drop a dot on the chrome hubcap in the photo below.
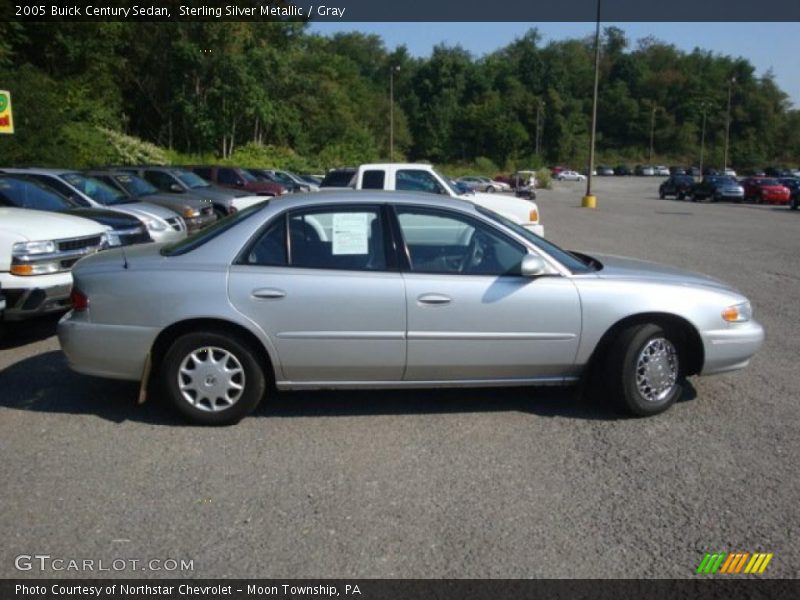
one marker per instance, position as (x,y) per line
(657,369)
(211,379)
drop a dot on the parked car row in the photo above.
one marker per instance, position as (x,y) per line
(722,187)
(52,217)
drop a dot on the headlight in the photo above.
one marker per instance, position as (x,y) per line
(190,213)
(27,248)
(44,268)
(154,225)
(738,313)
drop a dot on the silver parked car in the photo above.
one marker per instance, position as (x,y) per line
(163,224)
(389,290)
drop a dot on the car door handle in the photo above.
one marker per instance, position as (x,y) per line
(268,293)
(435,299)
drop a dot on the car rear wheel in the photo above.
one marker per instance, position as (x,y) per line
(793,203)
(213,379)
(662,195)
(644,370)
(490,189)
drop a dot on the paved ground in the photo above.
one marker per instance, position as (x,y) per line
(487,483)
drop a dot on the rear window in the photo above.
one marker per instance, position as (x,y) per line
(338,178)
(192,242)
(373,180)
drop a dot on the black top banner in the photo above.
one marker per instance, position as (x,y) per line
(431,10)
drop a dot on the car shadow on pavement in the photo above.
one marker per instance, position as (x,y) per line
(44,383)
(19,333)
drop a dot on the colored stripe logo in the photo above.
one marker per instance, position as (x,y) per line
(734,563)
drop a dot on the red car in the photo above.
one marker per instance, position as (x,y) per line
(764,189)
(234,177)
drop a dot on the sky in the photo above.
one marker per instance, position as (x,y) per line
(767,46)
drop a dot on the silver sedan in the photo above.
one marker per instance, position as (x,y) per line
(390,290)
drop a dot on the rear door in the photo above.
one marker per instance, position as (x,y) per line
(320,283)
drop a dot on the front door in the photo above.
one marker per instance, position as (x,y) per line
(471,315)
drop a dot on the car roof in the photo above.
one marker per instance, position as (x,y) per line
(323,198)
(38,171)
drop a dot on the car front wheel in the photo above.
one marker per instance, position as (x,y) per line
(645,370)
(213,379)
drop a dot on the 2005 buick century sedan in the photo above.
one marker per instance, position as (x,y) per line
(389,290)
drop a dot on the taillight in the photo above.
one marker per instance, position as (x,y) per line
(79,300)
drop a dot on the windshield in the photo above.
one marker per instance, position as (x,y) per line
(568,259)
(96,189)
(136,186)
(446,182)
(24,193)
(282,177)
(249,177)
(191,180)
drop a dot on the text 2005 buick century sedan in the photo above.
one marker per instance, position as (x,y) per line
(377,290)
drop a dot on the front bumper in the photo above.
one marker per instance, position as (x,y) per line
(169,235)
(195,224)
(731,348)
(35,295)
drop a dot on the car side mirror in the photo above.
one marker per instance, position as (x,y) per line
(174,187)
(533,266)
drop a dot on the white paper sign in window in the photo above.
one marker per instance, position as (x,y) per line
(351,233)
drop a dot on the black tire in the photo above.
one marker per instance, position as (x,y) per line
(220,212)
(680,196)
(793,203)
(627,374)
(490,189)
(662,195)
(252,377)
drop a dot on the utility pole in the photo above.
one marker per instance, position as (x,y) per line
(392,70)
(652,132)
(731,81)
(590,201)
(704,106)
(538,133)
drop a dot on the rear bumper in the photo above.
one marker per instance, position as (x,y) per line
(35,295)
(731,349)
(114,351)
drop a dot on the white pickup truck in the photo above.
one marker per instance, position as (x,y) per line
(37,251)
(412,177)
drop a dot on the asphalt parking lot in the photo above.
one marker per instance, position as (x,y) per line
(467,484)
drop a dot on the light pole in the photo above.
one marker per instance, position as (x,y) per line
(731,81)
(590,201)
(704,106)
(539,104)
(652,132)
(391,111)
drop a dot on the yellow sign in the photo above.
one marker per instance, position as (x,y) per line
(6,119)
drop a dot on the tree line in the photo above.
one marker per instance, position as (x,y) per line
(275,91)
